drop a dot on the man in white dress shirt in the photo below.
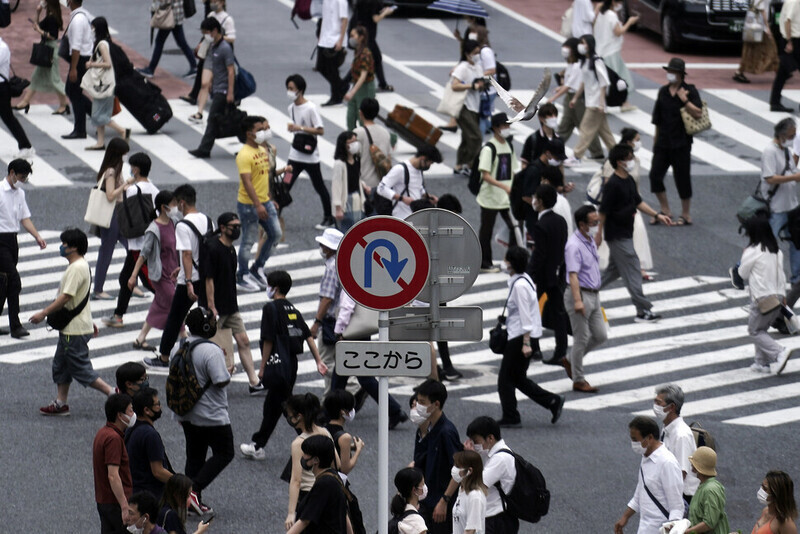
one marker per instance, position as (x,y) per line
(81,45)
(658,497)
(677,436)
(498,468)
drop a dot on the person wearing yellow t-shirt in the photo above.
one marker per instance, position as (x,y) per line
(254,205)
(71,360)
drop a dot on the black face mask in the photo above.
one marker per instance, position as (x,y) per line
(156,415)
(235,233)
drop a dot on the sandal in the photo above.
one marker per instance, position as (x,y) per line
(142,345)
(197,117)
(654,221)
(386,89)
(741,78)
(682,221)
(646,277)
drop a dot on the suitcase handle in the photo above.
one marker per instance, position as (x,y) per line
(411,119)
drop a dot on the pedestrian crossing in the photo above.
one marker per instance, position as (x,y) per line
(701,343)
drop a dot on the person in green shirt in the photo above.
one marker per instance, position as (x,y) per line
(707,509)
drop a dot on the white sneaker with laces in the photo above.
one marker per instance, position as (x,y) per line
(249,451)
(246,286)
(758,368)
(255,282)
(26,153)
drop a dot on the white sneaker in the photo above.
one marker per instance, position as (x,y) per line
(572,162)
(246,286)
(255,282)
(780,365)
(249,450)
(758,368)
(26,153)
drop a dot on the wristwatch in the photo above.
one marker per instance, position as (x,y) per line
(446,498)
(317,321)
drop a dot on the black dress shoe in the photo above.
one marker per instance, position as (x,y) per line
(361,397)
(558,407)
(19,332)
(782,108)
(189,100)
(74,135)
(332,102)
(401,417)
(200,155)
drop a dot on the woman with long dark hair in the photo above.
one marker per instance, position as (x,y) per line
(411,488)
(762,266)
(363,74)
(174,505)
(594,80)
(47,79)
(468,76)
(347,192)
(102,108)
(780,510)
(110,177)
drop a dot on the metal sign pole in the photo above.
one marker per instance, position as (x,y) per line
(436,289)
(383,434)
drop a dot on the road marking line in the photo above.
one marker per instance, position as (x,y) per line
(43,174)
(749,103)
(434,25)
(560,64)
(767,419)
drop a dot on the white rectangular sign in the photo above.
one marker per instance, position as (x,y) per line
(383,358)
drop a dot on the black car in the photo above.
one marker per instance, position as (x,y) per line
(685,21)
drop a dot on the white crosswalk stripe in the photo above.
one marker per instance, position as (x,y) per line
(701,344)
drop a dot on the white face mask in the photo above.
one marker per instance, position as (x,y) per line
(593,231)
(637,448)
(349,416)
(659,412)
(424,492)
(554,162)
(419,414)
(270,293)
(262,136)
(618,7)
(455,472)
(672,77)
(291,95)
(353,42)
(207,38)
(472,36)
(565,52)
(476,58)
(133,529)
(637,145)
(354,147)
(762,496)
(551,122)
(630,165)
(175,214)
(582,49)
(131,420)
(787,143)
(477,447)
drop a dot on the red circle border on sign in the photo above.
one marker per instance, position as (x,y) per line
(406,232)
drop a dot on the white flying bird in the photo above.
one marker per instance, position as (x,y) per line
(524,113)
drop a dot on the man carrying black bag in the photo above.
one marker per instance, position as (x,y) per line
(283,331)
(222,68)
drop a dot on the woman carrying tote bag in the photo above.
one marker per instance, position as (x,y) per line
(47,79)
(99,76)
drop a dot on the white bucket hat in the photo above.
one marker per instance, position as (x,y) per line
(330,238)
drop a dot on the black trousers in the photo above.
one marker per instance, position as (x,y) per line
(111,521)
(557,321)
(219,102)
(328,66)
(10,283)
(198,79)
(502,523)
(81,105)
(181,304)
(378,59)
(488,218)
(315,173)
(124,297)
(445,527)
(199,439)
(788,64)
(273,408)
(680,159)
(513,375)
(9,119)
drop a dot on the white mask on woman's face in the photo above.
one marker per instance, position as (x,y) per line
(472,36)
(672,77)
(582,49)
(476,58)
(565,52)
(354,147)
(349,416)
(617,7)
(637,145)
(762,496)
(424,492)
(455,472)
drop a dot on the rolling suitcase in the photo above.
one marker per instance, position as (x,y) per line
(412,128)
(145,101)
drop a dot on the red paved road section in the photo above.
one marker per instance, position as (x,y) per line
(20,37)
(646,47)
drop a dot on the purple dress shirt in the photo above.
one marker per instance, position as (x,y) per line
(580,256)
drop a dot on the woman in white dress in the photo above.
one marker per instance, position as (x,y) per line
(608,32)
(641,243)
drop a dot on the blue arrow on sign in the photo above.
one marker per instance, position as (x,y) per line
(394,265)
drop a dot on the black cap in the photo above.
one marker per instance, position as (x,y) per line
(499,119)
(676,64)
(225,218)
(556,147)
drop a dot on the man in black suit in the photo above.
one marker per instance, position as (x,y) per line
(547,269)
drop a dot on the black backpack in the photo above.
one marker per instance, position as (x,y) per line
(529,498)
(395,521)
(384,206)
(502,76)
(475,175)
(135,214)
(614,95)
(202,240)
(183,388)
(792,227)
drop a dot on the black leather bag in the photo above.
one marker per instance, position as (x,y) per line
(189,8)
(41,54)
(303,142)
(59,319)
(16,85)
(498,336)
(5,15)
(230,123)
